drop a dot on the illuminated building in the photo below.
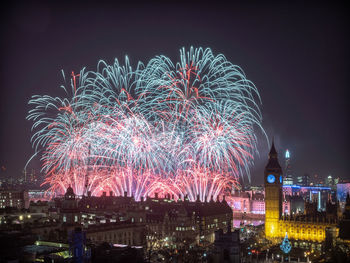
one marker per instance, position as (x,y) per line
(168,222)
(303,180)
(310,226)
(329,180)
(195,222)
(273,194)
(14,198)
(319,194)
(288,178)
(37,194)
(249,202)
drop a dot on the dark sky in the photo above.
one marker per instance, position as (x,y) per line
(297,56)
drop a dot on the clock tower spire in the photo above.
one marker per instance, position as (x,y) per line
(273,194)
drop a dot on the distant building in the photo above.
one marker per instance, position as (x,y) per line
(247,202)
(37,195)
(329,180)
(319,194)
(14,198)
(303,180)
(39,207)
(69,212)
(288,177)
(183,220)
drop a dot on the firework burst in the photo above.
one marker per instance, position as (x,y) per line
(187,128)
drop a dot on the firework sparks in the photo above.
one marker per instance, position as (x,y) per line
(187,129)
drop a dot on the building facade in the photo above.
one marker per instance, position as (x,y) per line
(14,198)
(166,222)
(181,222)
(122,233)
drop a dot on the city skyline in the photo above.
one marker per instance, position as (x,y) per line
(293,72)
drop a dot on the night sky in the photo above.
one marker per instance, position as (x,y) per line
(297,56)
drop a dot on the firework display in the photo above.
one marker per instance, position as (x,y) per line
(187,129)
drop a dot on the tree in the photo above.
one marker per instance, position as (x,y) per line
(286,246)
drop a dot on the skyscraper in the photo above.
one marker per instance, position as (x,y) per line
(288,177)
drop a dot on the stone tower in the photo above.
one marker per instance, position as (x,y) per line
(69,212)
(273,194)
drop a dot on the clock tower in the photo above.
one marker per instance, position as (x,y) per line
(273,194)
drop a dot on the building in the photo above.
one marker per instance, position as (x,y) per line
(69,212)
(249,202)
(288,177)
(227,246)
(273,194)
(184,222)
(303,180)
(329,180)
(39,207)
(310,226)
(14,198)
(37,195)
(163,221)
(125,233)
(319,194)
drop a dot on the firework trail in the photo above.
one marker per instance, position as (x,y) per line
(187,129)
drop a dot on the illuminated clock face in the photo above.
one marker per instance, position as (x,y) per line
(271,178)
(281,179)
